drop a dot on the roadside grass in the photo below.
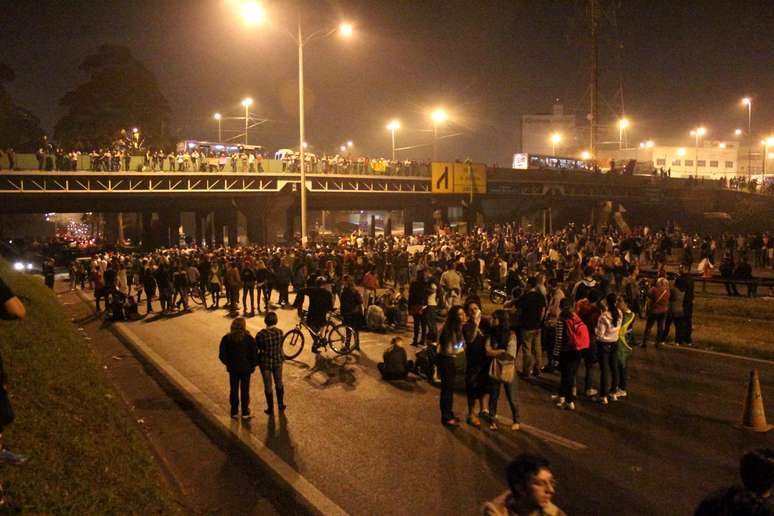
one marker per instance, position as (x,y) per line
(87,455)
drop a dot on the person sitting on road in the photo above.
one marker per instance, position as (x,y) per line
(395,365)
(531,489)
(375,319)
(754,497)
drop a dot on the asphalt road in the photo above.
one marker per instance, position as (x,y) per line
(376,447)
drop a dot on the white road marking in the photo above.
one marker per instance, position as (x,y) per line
(720,354)
(546,435)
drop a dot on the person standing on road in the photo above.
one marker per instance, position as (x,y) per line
(531,490)
(418,292)
(685,282)
(531,307)
(656,308)
(238,352)
(502,346)
(450,343)
(248,287)
(571,338)
(589,313)
(149,286)
(623,350)
(214,283)
(476,362)
(608,326)
(270,359)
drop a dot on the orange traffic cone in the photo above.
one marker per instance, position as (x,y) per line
(754,417)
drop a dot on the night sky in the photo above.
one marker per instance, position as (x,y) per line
(682,64)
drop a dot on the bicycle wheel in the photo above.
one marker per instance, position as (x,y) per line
(341,339)
(292,344)
(196,296)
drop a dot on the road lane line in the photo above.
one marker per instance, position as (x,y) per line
(720,354)
(546,435)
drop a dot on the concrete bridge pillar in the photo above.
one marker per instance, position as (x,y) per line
(201,227)
(232,225)
(219,218)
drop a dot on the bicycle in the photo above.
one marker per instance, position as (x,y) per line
(196,295)
(337,336)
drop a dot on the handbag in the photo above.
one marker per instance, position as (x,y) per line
(502,371)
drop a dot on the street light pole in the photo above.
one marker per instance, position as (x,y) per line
(246,116)
(393,143)
(435,140)
(301,130)
(749,138)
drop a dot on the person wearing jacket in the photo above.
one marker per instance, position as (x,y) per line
(655,310)
(502,346)
(531,490)
(270,360)
(450,343)
(238,352)
(608,327)
(589,313)
(571,337)
(623,350)
(248,287)
(418,293)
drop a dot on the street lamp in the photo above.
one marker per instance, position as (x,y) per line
(439,116)
(350,144)
(585,155)
(392,127)
(343,149)
(697,133)
(738,132)
(622,124)
(555,138)
(252,14)
(747,101)
(247,103)
(217,117)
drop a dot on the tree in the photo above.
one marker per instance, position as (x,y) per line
(19,128)
(120,93)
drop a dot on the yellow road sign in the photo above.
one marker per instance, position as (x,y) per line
(469,177)
(442,176)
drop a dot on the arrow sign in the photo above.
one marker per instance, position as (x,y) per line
(444,178)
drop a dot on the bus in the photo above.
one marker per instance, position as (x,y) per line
(207,147)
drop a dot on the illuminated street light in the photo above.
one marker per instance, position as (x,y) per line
(393,126)
(252,13)
(622,125)
(747,101)
(722,145)
(135,130)
(681,151)
(247,103)
(649,144)
(738,132)
(439,116)
(217,117)
(767,144)
(697,134)
(346,30)
(585,155)
(305,145)
(350,144)
(555,138)
(343,149)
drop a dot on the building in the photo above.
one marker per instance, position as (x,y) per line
(711,159)
(536,131)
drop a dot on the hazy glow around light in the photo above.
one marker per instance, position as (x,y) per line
(343,148)
(350,144)
(135,130)
(681,152)
(247,102)
(746,101)
(722,145)
(216,116)
(252,13)
(393,125)
(701,131)
(585,155)
(346,29)
(738,132)
(649,144)
(623,123)
(556,138)
(439,115)
(770,141)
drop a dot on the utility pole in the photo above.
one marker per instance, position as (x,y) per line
(594,104)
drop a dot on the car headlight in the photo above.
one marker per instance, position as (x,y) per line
(29,266)
(18,266)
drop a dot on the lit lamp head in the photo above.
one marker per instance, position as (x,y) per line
(393,125)
(252,13)
(738,132)
(556,138)
(722,145)
(247,102)
(346,30)
(438,116)
(585,155)
(681,151)
(701,131)
(623,123)
(216,116)
(350,144)
(135,130)
(343,148)
(649,144)
(746,101)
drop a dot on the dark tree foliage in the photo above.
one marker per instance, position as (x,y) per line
(19,129)
(120,93)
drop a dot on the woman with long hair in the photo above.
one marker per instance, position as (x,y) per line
(239,353)
(608,327)
(450,343)
(501,346)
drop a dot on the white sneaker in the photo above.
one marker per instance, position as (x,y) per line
(591,392)
(557,398)
(603,400)
(570,405)
(620,393)
(613,397)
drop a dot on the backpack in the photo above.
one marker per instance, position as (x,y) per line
(577,333)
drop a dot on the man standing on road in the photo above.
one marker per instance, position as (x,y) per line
(270,359)
(531,307)
(320,303)
(685,283)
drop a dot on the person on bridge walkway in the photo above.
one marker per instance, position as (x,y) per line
(450,343)
(238,352)
(531,490)
(270,359)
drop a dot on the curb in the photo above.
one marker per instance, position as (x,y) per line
(221,421)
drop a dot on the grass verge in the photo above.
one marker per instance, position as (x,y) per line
(87,455)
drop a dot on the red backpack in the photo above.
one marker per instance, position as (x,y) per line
(577,333)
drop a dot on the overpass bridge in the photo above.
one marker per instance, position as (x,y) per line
(269,200)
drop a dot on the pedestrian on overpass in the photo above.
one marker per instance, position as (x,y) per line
(239,354)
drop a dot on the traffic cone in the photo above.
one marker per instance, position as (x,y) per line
(754,417)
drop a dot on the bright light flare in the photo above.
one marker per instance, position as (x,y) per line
(556,138)
(394,125)
(216,116)
(722,145)
(585,155)
(343,148)
(770,141)
(738,132)
(439,115)
(746,101)
(350,144)
(681,151)
(623,123)
(247,102)
(252,13)
(346,30)
(649,144)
